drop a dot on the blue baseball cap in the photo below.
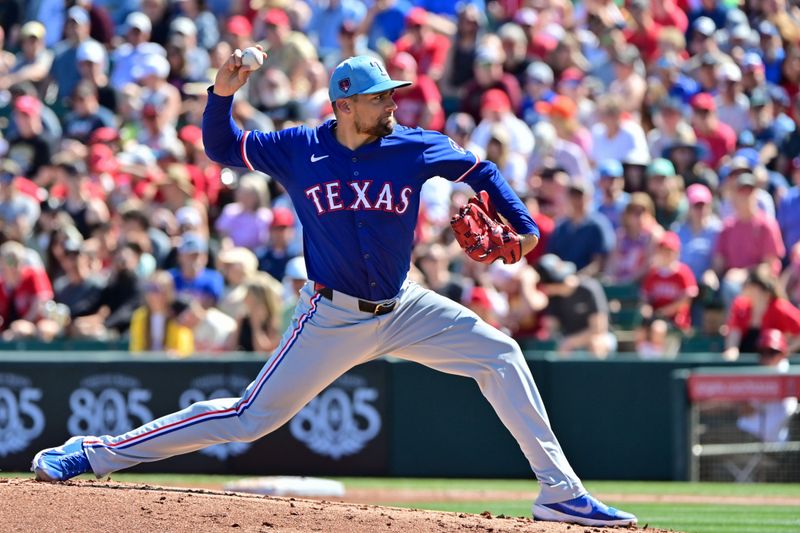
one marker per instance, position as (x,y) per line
(610,168)
(361,75)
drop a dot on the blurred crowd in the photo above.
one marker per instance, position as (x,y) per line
(656,144)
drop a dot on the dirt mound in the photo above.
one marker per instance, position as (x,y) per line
(100,506)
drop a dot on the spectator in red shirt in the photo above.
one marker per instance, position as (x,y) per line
(667,13)
(718,136)
(420,104)
(761,306)
(645,31)
(669,285)
(428,48)
(24,291)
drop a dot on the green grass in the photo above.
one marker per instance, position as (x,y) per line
(689,517)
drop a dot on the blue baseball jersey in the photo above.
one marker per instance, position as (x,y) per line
(358,207)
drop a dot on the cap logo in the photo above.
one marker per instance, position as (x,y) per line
(379,67)
(344,84)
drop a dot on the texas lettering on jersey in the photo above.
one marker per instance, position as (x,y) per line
(327,197)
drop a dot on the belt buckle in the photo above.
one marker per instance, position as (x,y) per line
(378,307)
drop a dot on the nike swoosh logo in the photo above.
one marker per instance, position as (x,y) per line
(314,158)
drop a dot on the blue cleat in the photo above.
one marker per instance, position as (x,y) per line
(61,463)
(585,510)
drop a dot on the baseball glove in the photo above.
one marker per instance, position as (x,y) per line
(482,235)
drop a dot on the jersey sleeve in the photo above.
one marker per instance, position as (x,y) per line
(444,157)
(226,144)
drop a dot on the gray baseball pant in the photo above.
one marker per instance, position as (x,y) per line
(327,338)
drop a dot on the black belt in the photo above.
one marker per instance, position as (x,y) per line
(363,305)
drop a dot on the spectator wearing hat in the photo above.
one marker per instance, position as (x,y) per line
(33,62)
(562,112)
(763,125)
(294,278)
(644,31)
(707,17)
(421,41)
(87,114)
(738,165)
(327,18)
(151,74)
(211,328)
(192,276)
(65,63)
(289,51)
(577,309)
(238,32)
(92,66)
(613,137)
(30,147)
(258,329)
(769,421)
(155,326)
(753,75)
(748,239)
(666,190)
(705,68)
(281,248)
(635,241)
(538,86)
(669,123)
(668,70)
(496,111)
(246,221)
(583,238)
(204,20)
(761,306)
(611,198)
(669,286)
(698,234)
(418,105)
(733,106)
(771,45)
(183,43)
(488,74)
(19,212)
(718,136)
(132,53)
(551,150)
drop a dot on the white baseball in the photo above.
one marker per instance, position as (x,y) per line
(252,58)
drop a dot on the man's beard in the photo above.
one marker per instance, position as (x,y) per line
(381,129)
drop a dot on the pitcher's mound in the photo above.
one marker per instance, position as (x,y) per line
(77,506)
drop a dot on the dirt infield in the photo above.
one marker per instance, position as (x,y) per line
(100,506)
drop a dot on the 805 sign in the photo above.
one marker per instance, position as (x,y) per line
(108,410)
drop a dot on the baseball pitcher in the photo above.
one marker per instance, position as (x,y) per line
(355,182)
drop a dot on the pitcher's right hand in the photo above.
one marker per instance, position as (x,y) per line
(233,74)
